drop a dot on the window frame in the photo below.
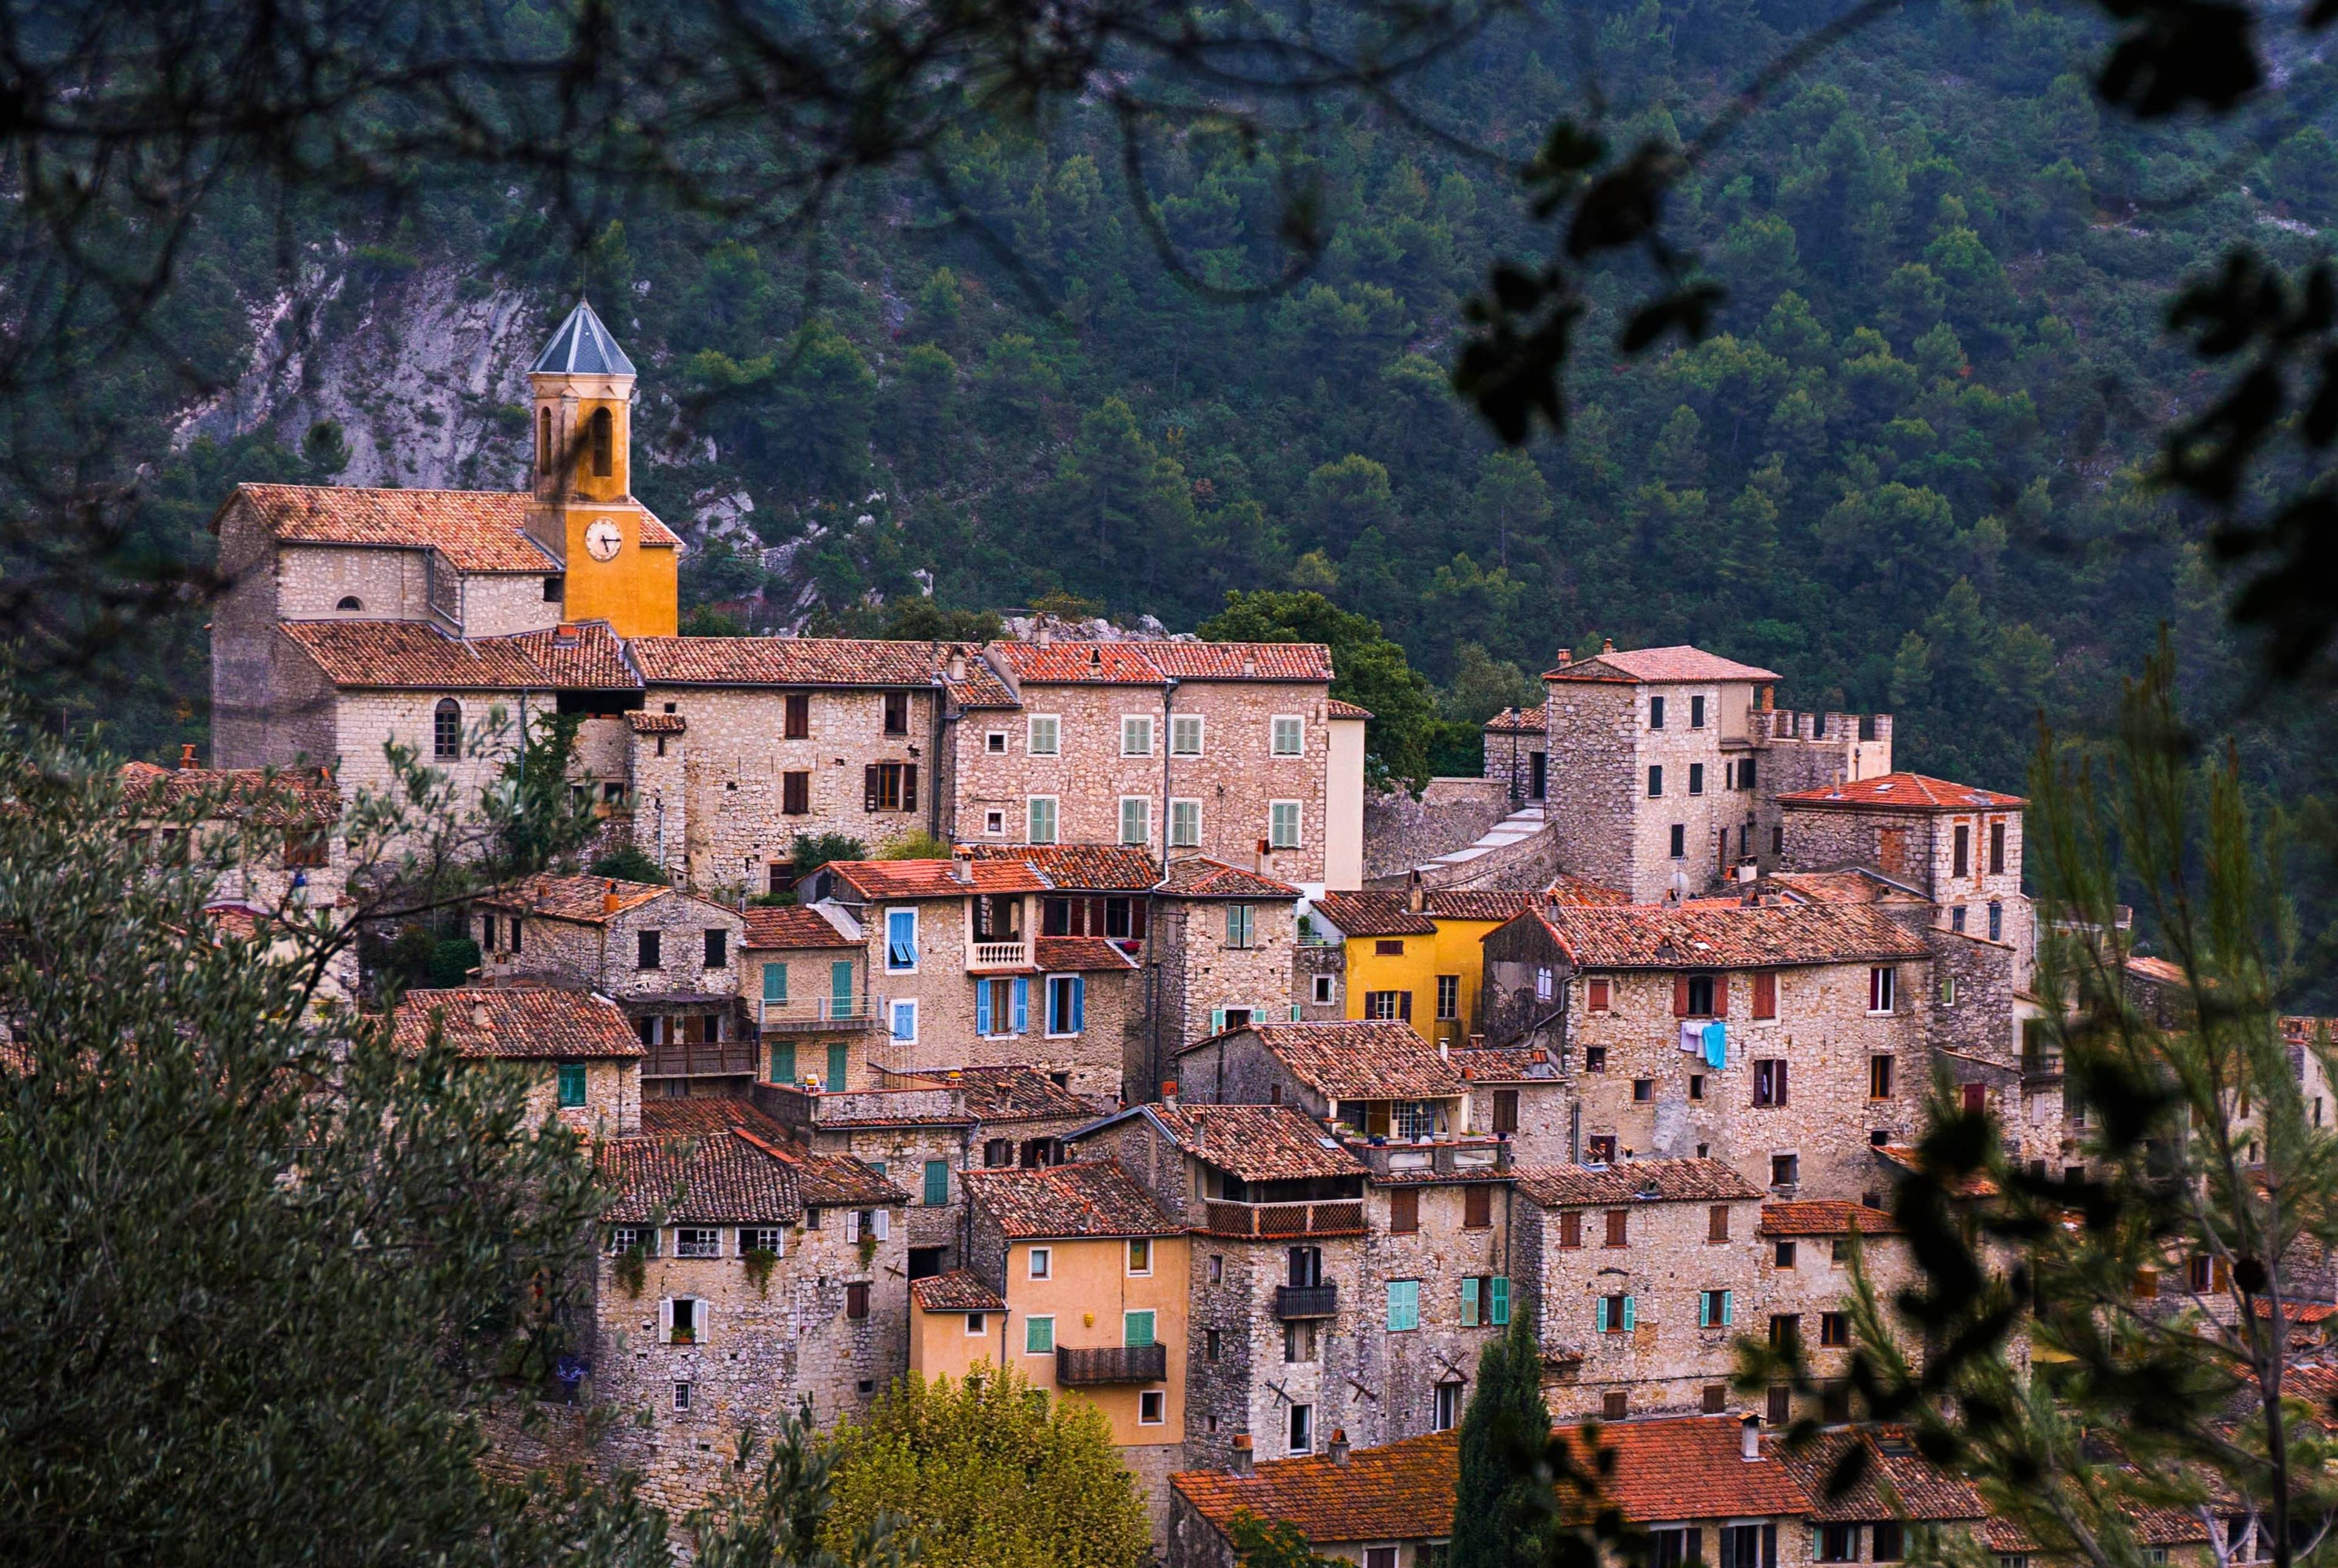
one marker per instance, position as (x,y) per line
(442,748)
(1243,916)
(1448,999)
(916,949)
(1656,781)
(568,1074)
(1138,1257)
(1143,804)
(1403,1316)
(1882,990)
(714,952)
(1276,811)
(902,1007)
(1159,1399)
(697,1241)
(1031,804)
(1274,724)
(1177,727)
(1129,722)
(1040,1263)
(1128,1319)
(1032,1331)
(1188,806)
(1053,723)
(649,952)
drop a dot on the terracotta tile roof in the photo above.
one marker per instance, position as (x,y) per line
(1079,663)
(1086,1198)
(1085,868)
(1475,904)
(792,925)
(1691,1467)
(1902,792)
(699,1166)
(1898,1483)
(2300,1311)
(1401,1491)
(1016,1094)
(1241,660)
(820,1179)
(1255,1142)
(1504,1064)
(883,879)
(1072,955)
(1825,1217)
(1568,889)
(410,653)
(656,723)
(1374,915)
(258,795)
(1669,1180)
(1358,1059)
(1852,885)
(981,688)
(1909,1158)
(2158,971)
(581,898)
(1339,709)
(476,530)
(787,662)
(1725,935)
(1679,662)
(1533,721)
(1199,877)
(959,1290)
(522,1022)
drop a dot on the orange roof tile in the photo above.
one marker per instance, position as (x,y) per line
(582,898)
(1086,1198)
(1634,1180)
(1825,1217)
(792,925)
(1240,661)
(1255,1142)
(516,1023)
(1016,1094)
(1083,868)
(1338,709)
(1568,889)
(1901,792)
(1371,913)
(273,797)
(1897,1483)
(477,530)
(1679,662)
(959,1290)
(1199,877)
(888,879)
(1718,934)
(1072,955)
(789,660)
(412,653)
(1356,1059)
(820,1178)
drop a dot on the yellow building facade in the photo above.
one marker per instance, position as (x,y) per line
(1416,957)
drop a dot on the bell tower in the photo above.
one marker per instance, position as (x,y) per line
(617,563)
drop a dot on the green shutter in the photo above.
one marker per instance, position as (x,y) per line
(775,984)
(1038,1336)
(1600,1313)
(1499,1307)
(840,987)
(839,1066)
(1725,1305)
(1470,1301)
(1136,1329)
(937,1183)
(1627,1315)
(572,1084)
(783,1061)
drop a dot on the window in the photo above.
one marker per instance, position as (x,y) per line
(1697,998)
(1620,1226)
(1697,1090)
(976,1322)
(1879,1077)
(1184,824)
(697,1241)
(1997,848)
(1135,819)
(1446,1412)
(446,730)
(544,441)
(1656,781)
(1777,836)
(1838,1543)
(1716,1398)
(783,1061)
(487,933)
(1716,1223)
(1542,985)
(1039,818)
(605,442)
(796,723)
(1449,996)
(1136,1329)
(1506,1111)
(1612,1315)
(897,713)
(839,1065)
(1595,1058)
(1996,922)
(572,1084)
(900,941)
(689,1319)
(888,787)
(681,1396)
(1713,1309)
(1770,1081)
(795,794)
(1890,1538)
(1140,1258)
(1185,735)
(1655,712)
(1841,1246)
(1879,989)
(1745,776)
(1389,1005)
(1785,1330)
(1043,735)
(1323,997)
(1150,1406)
(1596,995)
(1834,1328)
(1785,1170)
(350,601)
(1680,842)
(1241,925)
(1644,1090)
(1949,982)
(905,1021)
(1301,1344)
(1783,1257)
(718,950)
(1697,713)
(1137,735)
(1282,825)
(995,743)
(1404,1210)
(625,1239)
(1570,1227)
(1043,1259)
(1477,1207)
(1766,993)
(1485,1298)
(1066,1004)
(856,1299)
(1211,1344)
(1302,1429)
(1749,1546)
(1960,852)
(1696,778)
(1403,1305)
(937,1192)
(1388,947)
(645,951)
(1290,735)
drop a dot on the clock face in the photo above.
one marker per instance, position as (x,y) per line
(603,539)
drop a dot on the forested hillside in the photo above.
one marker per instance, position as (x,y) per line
(1906,471)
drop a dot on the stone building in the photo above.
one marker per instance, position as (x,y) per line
(1518,1093)
(1222,952)
(768,1275)
(579,1052)
(1414,955)
(1659,767)
(1787,1041)
(670,959)
(804,991)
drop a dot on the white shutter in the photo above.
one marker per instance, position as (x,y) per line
(665,1319)
(884,1224)
(853,1224)
(705,1321)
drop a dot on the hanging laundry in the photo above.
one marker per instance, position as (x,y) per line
(1692,1036)
(1716,1045)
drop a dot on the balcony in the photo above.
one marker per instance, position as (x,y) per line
(1293,1301)
(716,1059)
(1000,955)
(1111,1364)
(819,1014)
(1332,1217)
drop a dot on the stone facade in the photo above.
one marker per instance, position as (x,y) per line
(1212,973)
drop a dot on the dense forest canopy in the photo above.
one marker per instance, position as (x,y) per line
(1908,469)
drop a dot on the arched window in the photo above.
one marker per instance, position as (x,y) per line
(605,444)
(350,601)
(544,441)
(446,730)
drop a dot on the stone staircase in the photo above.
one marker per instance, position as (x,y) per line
(1519,851)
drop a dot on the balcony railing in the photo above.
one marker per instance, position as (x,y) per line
(1335,1216)
(819,1013)
(720,1059)
(1306,1302)
(1111,1364)
(1001,955)
(2042,1065)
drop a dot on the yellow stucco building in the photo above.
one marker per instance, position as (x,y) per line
(1414,955)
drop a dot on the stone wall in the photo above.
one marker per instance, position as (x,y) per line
(1209,975)
(657,780)
(312,580)
(1311,961)
(1400,832)
(1592,756)
(1404,1368)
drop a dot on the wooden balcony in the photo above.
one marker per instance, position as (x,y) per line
(999,956)
(1333,1217)
(1111,1364)
(1296,1302)
(718,1059)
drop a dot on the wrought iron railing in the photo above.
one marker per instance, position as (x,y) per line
(1111,1364)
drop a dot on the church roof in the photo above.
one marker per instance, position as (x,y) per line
(581,347)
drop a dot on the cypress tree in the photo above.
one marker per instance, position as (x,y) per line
(1496,1519)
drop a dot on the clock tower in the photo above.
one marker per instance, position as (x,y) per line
(618,563)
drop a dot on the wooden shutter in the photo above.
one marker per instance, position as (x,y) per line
(1404,1005)
(1477,1207)
(869,788)
(1619,1222)
(1404,1210)
(1716,1223)
(1680,995)
(1570,1227)
(1721,996)
(1598,995)
(1766,993)
(908,786)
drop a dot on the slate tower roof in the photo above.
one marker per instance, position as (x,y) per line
(581,347)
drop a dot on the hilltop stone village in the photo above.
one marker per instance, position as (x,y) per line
(1194,1080)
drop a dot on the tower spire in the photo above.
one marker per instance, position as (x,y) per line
(581,347)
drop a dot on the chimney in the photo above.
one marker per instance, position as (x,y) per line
(1566,657)
(1239,1463)
(1749,1439)
(480,1017)
(957,665)
(1258,858)
(1414,899)
(609,900)
(1339,1449)
(1169,1093)
(1250,669)
(1042,634)
(187,755)
(962,864)
(1606,645)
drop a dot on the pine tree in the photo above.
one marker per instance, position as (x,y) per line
(1499,1511)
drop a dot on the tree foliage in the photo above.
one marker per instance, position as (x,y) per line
(1499,1521)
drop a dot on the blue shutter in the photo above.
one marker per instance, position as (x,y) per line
(1217,1019)
(1600,1313)
(1470,1301)
(1079,1002)
(1627,1315)
(982,1006)
(1022,1003)
(1725,1305)
(1499,1307)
